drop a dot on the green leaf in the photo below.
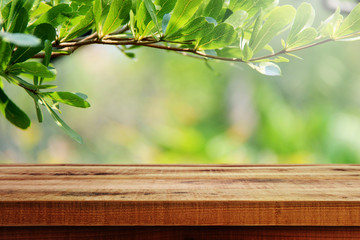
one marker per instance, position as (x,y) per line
(277,20)
(48,51)
(150,7)
(266,68)
(213,8)
(17,16)
(306,36)
(211,20)
(183,12)
(221,36)
(19,24)
(351,23)
(85,24)
(5,54)
(38,112)
(165,22)
(237,19)
(97,9)
(55,16)
(40,10)
(252,6)
(12,112)
(166,6)
(144,25)
(193,30)
(330,26)
(247,53)
(36,80)
(304,18)
(47,57)
(34,68)
(37,101)
(130,55)
(27,4)
(81,6)
(232,52)
(20,39)
(294,56)
(118,15)
(269,48)
(82,95)
(279,59)
(257,27)
(3,3)
(132,25)
(5,12)
(20,82)
(68,98)
(283,43)
(63,125)
(43,32)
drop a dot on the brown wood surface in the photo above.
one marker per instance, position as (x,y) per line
(61,195)
(180,233)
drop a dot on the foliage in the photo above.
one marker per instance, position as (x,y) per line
(235,30)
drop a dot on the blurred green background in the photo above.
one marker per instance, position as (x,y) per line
(165,108)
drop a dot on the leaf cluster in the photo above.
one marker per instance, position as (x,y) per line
(32,32)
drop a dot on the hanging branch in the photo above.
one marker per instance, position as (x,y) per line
(237,31)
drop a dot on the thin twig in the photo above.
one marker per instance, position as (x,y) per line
(284,51)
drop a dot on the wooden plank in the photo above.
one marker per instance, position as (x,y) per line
(180,233)
(202,195)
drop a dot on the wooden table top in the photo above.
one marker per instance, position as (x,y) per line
(173,195)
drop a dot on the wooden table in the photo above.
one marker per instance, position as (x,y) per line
(179,202)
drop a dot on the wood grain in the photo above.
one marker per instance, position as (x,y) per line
(180,233)
(202,195)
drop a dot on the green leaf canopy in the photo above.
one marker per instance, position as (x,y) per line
(33,32)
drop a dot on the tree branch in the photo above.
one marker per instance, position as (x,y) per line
(69,47)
